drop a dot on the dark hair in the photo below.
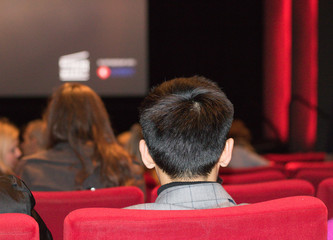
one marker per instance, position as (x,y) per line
(185,122)
(77,115)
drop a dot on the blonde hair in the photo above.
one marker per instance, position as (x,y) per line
(8,133)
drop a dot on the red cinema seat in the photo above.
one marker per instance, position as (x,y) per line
(18,226)
(260,192)
(325,193)
(228,171)
(285,158)
(150,185)
(54,206)
(254,177)
(314,176)
(293,168)
(300,217)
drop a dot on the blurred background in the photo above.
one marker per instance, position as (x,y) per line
(272,58)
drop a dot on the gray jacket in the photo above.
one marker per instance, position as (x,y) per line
(188,196)
(55,170)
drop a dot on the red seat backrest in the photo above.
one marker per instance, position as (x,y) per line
(314,176)
(18,226)
(301,217)
(325,193)
(54,206)
(254,177)
(260,192)
(293,168)
(227,170)
(284,158)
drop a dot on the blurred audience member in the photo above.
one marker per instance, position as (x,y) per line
(123,138)
(33,137)
(243,154)
(132,146)
(17,198)
(9,147)
(132,143)
(82,151)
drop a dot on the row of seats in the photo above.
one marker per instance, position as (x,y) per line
(300,217)
(313,172)
(54,206)
(264,191)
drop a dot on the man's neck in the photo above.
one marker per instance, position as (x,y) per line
(165,179)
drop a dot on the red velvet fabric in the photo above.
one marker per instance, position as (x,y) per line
(54,206)
(260,192)
(150,185)
(244,178)
(325,193)
(18,226)
(314,176)
(291,169)
(301,217)
(227,171)
(277,62)
(303,112)
(296,157)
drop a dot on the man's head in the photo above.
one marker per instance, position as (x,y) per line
(34,137)
(185,122)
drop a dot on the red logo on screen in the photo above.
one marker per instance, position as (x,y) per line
(103,72)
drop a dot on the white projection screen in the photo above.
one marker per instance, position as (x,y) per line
(102,44)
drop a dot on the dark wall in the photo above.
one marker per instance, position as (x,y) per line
(325,77)
(219,39)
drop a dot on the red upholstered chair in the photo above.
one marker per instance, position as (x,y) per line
(325,193)
(291,169)
(295,157)
(261,176)
(150,185)
(301,217)
(260,192)
(18,226)
(228,171)
(54,206)
(314,176)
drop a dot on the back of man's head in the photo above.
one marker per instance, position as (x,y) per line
(185,122)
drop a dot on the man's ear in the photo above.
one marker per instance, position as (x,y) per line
(227,153)
(145,155)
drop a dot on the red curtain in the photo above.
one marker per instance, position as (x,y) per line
(277,67)
(303,112)
(290,72)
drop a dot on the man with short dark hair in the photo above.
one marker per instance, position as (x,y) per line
(185,122)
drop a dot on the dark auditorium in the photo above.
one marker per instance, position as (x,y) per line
(169,119)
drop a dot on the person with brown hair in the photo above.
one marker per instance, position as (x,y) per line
(9,146)
(82,151)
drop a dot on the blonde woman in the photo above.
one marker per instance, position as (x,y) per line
(9,147)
